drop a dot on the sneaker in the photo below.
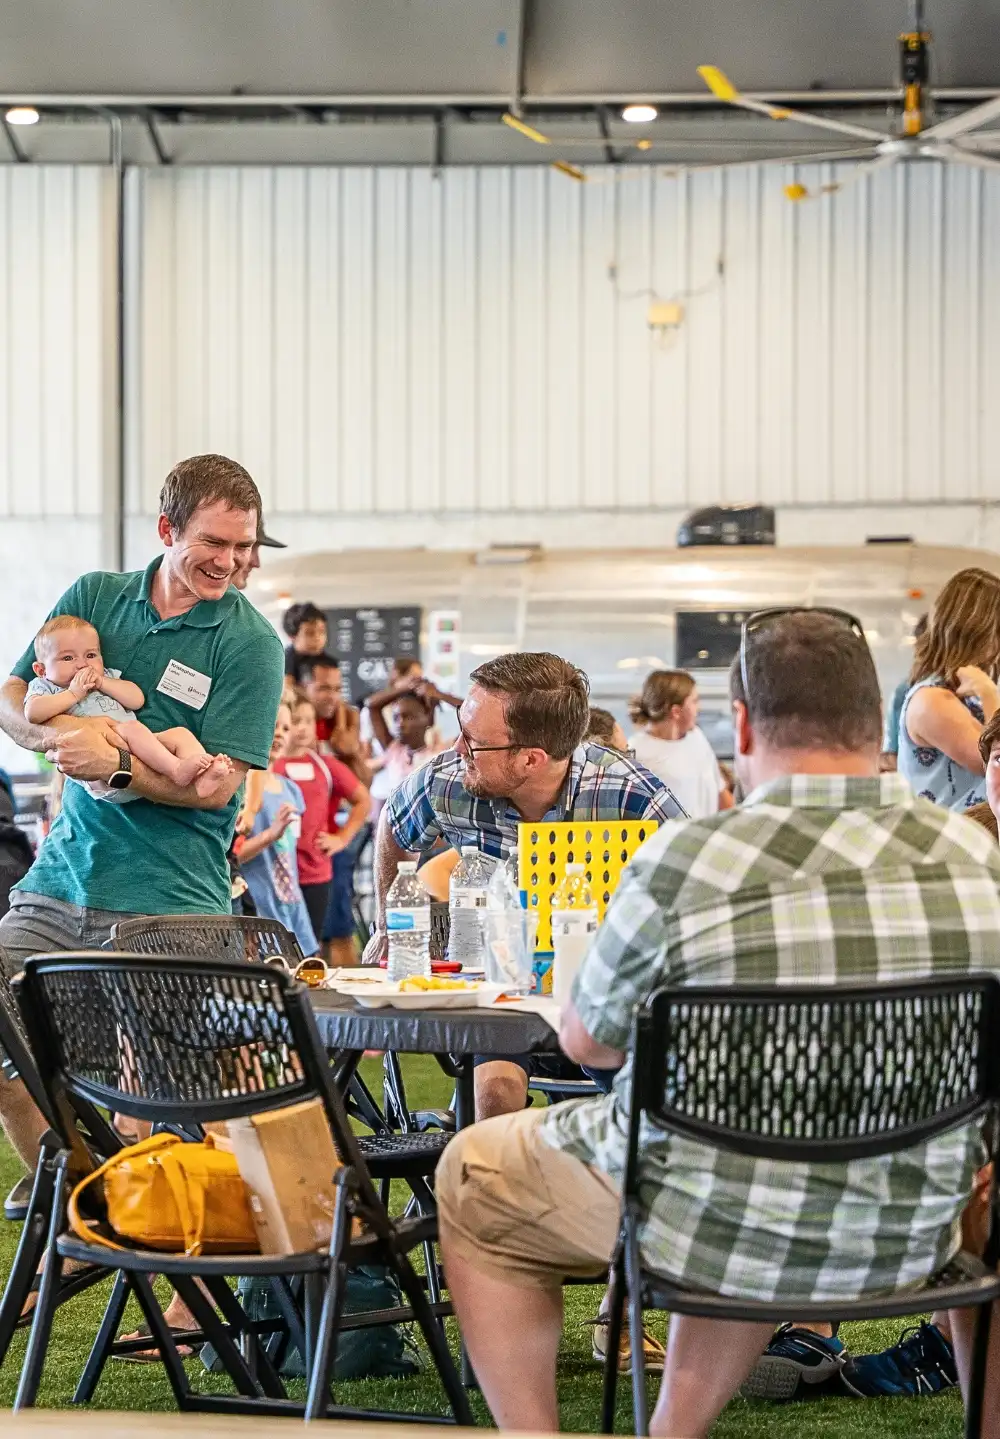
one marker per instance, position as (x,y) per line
(794,1358)
(921,1363)
(653,1352)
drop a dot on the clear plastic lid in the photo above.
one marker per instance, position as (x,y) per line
(469,850)
(407,866)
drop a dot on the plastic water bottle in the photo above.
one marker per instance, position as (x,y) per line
(574,924)
(470,880)
(504,891)
(408,924)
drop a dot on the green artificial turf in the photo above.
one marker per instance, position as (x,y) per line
(129,1386)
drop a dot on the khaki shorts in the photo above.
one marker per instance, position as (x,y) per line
(530,1214)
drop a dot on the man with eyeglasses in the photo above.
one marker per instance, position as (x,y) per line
(520,756)
(829,873)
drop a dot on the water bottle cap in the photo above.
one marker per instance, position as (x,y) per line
(469,849)
(575,869)
(407,866)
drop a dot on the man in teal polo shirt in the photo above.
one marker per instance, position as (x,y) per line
(205,659)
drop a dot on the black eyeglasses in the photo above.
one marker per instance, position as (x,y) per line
(475,749)
(760,618)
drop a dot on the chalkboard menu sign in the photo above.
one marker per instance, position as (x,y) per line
(367,641)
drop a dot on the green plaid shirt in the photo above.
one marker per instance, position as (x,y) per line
(758,896)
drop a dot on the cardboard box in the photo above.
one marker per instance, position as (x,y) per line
(287,1160)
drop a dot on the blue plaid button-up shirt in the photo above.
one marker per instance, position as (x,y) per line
(601,784)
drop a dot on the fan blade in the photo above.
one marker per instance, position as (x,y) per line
(523,129)
(970,157)
(723,89)
(962,124)
(565,168)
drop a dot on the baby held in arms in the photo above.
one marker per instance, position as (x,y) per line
(71,679)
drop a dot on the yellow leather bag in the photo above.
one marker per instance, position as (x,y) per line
(163,1193)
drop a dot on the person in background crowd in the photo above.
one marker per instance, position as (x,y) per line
(326,785)
(338,732)
(890,743)
(405,747)
(530,1198)
(604,729)
(305,626)
(671,745)
(268,859)
(953,692)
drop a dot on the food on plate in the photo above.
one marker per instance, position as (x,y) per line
(417,982)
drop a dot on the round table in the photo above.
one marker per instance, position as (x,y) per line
(460,1034)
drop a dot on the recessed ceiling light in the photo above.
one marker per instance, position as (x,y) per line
(22,115)
(639,114)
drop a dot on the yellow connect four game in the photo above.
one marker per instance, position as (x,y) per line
(603,847)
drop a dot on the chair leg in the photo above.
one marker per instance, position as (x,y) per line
(977,1378)
(434,1336)
(325,1349)
(286,1294)
(162,1339)
(617,1291)
(106,1335)
(257,1359)
(219,1335)
(48,1296)
(30,1248)
(633,1277)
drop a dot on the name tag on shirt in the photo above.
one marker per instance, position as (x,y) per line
(299,770)
(182,683)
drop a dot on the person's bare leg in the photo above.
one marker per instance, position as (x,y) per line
(341,953)
(514,1360)
(707,1361)
(22,1122)
(160,751)
(501,1088)
(962,1327)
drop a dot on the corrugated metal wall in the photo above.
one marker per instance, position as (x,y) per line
(383,341)
(54,351)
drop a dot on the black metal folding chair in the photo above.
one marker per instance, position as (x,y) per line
(816,1074)
(216,936)
(187,1041)
(34,1211)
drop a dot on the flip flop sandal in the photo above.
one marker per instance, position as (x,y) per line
(69,1285)
(151,1356)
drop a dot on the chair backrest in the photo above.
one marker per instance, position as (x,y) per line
(817,1073)
(214,936)
(18,1060)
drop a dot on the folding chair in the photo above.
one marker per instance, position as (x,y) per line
(856,1073)
(197,1041)
(34,1212)
(215,936)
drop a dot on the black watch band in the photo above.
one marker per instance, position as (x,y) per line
(122,777)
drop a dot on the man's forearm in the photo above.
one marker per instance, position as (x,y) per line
(13,722)
(387,857)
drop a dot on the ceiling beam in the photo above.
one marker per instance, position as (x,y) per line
(519,52)
(149,120)
(13,142)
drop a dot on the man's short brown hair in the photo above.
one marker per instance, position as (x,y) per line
(204,480)
(812,684)
(546,700)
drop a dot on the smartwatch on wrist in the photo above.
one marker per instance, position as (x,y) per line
(122,777)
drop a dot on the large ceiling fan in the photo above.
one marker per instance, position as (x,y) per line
(912,141)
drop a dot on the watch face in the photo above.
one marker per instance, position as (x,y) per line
(121,779)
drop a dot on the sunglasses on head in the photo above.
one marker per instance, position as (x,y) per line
(760,619)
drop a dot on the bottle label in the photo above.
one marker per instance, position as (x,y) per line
(408,921)
(569,923)
(468,899)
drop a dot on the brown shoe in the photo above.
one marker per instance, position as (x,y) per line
(653,1352)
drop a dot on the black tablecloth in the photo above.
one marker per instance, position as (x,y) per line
(344,1024)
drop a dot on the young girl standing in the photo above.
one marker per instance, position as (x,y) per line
(267,860)
(325,784)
